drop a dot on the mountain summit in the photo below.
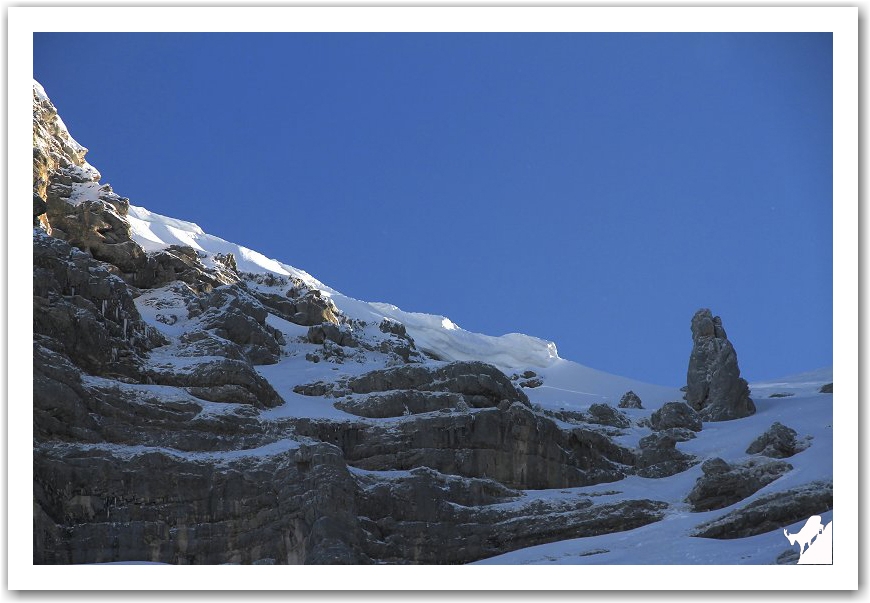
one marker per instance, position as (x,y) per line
(195,402)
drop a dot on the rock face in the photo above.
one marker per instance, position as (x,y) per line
(714,387)
(83,310)
(514,446)
(724,484)
(427,517)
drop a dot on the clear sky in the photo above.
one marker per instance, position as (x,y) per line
(590,189)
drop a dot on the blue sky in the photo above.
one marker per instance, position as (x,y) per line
(591,189)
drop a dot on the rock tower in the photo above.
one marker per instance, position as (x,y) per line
(714,386)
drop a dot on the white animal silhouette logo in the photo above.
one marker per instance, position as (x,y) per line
(815,540)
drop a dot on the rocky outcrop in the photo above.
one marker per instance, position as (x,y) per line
(220,380)
(513,446)
(300,305)
(771,512)
(481,385)
(659,456)
(604,414)
(777,442)
(83,310)
(675,415)
(401,403)
(724,484)
(714,386)
(53,149)
(180,263)
(827,388)
(232,314)
(427,517)
(630,400)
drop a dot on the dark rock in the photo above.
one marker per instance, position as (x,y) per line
(771,512)
(233,314)
(334,333)
(659,456)
(429,517)
(399,403)
(532,383)
(630,400)
(781,395)
(481,384)
(777,442)
(393,327)
(675,414)
(828,388)
(59,411)
(180,263)
(715,388)
(39,207)
(88,311)
(724,484)
(604,414)
(568,416)
(210,380)
(102,504)
(515,447)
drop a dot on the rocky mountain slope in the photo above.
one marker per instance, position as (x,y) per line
(195,402)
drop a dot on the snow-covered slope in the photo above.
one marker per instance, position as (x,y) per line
(436,335)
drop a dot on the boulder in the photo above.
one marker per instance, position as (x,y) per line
(828,388)
(777,442)
(630,400)
(659,457)
(604,414)
(724,484)
(675,415)
(714,386)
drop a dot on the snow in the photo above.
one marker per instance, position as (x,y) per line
(436,335)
